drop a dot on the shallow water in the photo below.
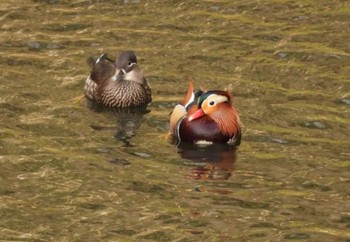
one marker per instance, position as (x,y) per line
(69,173)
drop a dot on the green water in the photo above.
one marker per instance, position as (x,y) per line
(72,174)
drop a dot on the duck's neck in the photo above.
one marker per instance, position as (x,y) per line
(135,75)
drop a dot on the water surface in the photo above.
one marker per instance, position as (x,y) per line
(69,173)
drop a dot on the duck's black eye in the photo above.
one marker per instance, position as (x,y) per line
(129,63)
(211,103)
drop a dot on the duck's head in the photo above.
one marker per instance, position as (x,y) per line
(217,105)
(212,104)
(127,67)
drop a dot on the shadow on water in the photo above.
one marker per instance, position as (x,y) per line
(211,162)
(128,120)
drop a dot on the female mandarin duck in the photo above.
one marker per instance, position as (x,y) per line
(117,84)
(206,117)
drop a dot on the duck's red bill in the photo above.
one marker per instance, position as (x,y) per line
(199,113)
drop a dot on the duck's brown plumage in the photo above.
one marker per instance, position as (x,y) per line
(206,116)
(119,84)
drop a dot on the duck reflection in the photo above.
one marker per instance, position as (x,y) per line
(211,162)
(128,120)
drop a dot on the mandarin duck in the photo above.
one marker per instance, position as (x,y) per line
(206,117)
(117,84)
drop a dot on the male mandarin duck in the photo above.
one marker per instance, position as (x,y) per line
(206,117)
(117,84)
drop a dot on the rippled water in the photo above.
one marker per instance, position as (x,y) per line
(69,173)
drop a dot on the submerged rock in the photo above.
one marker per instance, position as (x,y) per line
(281,54)
(36,45)
(267,139)
(120,162)
(315,125)
(131,1)
(142,154)
(345,101)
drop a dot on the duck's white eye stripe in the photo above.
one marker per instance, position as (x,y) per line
(214,99)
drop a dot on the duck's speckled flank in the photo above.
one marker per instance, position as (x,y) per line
(124,86)
(125,94)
